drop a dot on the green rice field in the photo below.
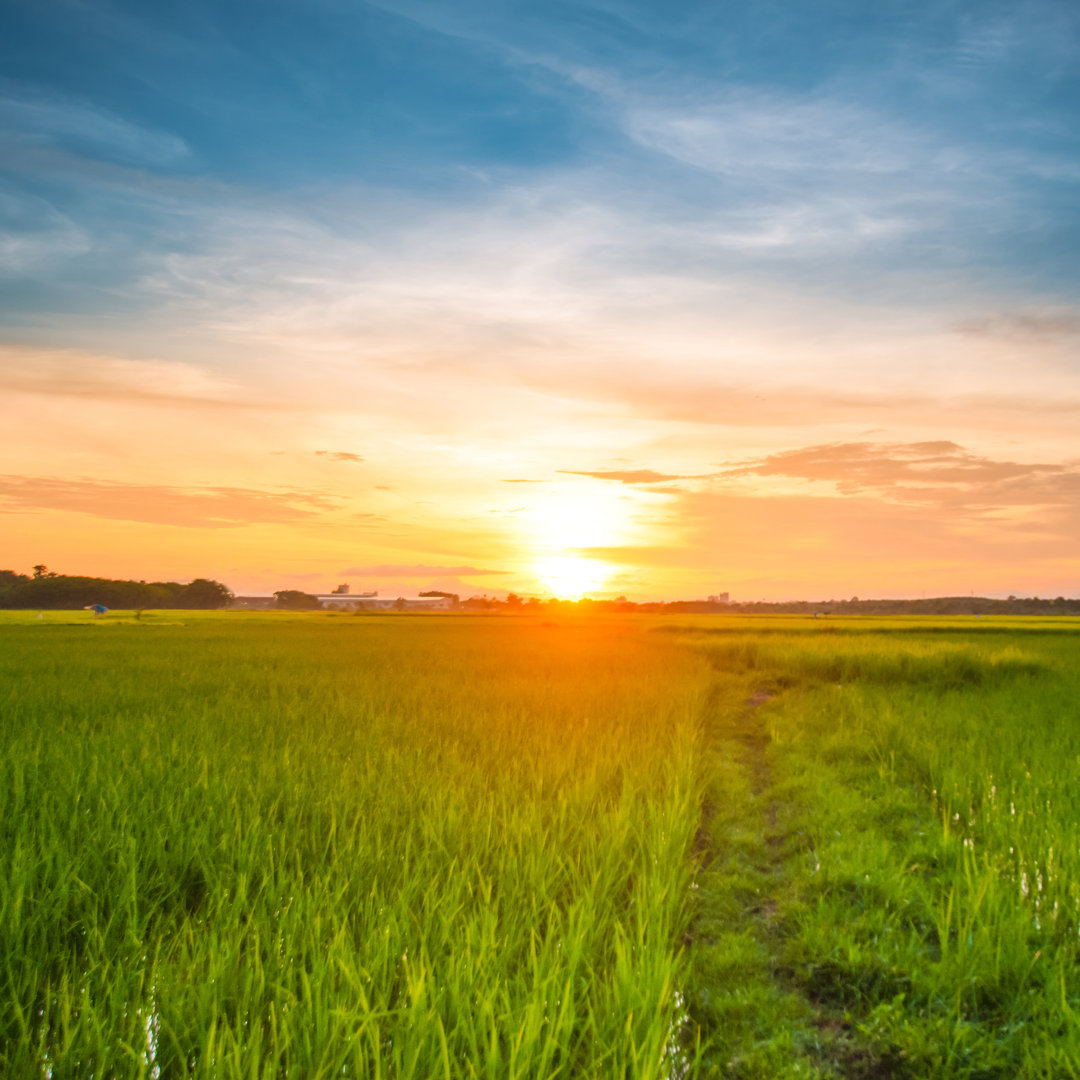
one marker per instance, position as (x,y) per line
(299,846)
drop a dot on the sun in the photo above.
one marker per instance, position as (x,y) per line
(570,577)
(559,529)
(558,523)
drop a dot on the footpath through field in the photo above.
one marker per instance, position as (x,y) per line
(889,880)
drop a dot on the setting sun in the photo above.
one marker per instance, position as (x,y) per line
(570,577)
(557,528)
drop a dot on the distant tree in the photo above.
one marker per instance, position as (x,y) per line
(400,604)
(63,591)
(42,571)
(513,601)
(294,600)
(203,593)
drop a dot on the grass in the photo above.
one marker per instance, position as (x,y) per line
(895,888)
(264,845)
(376,847)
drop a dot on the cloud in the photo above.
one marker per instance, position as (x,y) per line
(830,544)
(865,517)
(418,570)
(34,120)
(1024,326)
(804,173)
(74,373)
(692,396)
(561,284)
(633,476)
(747,132)
(338,455)
(34,235)
(937,472)
(196,507)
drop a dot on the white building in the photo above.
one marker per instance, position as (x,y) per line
(342,599)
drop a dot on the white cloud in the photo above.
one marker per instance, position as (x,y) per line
(35,236)
(752,135)
(69,372)
(29,119)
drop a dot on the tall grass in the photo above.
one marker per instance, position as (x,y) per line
(924,791)
(315,846)
(277,846)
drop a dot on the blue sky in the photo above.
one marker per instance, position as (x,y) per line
(447,101)
(678,235)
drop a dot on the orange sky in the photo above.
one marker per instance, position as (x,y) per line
(613,478)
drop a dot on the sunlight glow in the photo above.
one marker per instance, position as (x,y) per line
(561,524)
(564,522)
(570,577)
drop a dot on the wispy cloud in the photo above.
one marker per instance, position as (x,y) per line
(76,373)
(418,570)
(700,397)
(34,119)
(338,455)
(35,237)
(207,507)
(939,472)
(1023,326)
(633,476)
(750,132)
(839,545)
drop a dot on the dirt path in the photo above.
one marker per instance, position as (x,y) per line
(747,840)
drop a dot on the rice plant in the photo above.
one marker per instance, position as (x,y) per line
(303,847)
(242,845)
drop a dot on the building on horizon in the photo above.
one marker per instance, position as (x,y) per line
(372,601)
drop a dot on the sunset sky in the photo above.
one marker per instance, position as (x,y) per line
(646,298)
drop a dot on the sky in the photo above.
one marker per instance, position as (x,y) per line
(616,297)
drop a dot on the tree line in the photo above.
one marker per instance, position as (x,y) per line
(45,589)
(48,590)
(939,605)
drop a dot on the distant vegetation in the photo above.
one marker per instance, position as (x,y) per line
(938,605)
(47,590)
(294,600)
(941,605)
